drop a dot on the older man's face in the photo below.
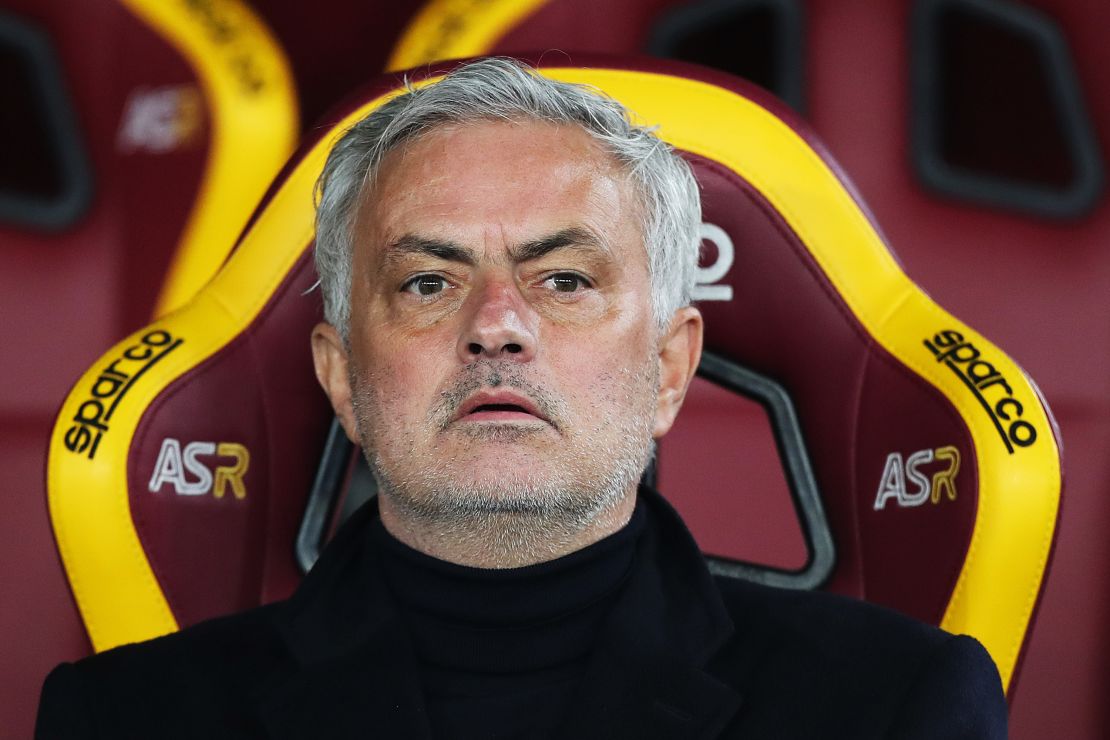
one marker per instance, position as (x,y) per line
(503,354)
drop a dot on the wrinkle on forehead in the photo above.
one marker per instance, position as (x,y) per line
(414,183)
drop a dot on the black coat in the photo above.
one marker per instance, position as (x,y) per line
(684,655)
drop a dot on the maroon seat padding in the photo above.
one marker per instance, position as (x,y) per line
(700,472)
(217,556)
(334,45)
(1037,287)
(858,407)
(1044,301)
(138,114)
(786,321)
(67,294)
(576,26)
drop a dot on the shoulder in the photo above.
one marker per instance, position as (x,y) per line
(235,643)
(868,670)
(199,675)
(827,622)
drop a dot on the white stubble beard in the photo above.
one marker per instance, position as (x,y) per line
(515,520)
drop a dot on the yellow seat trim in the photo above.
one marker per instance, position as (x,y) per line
(1019,491)
(246,81)
(453,29)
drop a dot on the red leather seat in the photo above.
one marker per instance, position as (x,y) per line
(334,45)
(861,72)
(137,137)
(181,461)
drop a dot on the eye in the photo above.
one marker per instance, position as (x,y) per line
(425,285)
(566,282)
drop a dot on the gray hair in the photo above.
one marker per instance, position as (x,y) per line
(496,89)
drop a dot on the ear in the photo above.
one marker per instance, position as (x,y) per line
(679,354)
(329,356)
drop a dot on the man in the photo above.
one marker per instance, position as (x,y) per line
(506,264)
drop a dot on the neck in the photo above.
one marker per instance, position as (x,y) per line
(513,537)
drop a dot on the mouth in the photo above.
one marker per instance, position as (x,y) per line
(499,406)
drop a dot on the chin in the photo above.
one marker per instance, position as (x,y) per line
(529,432)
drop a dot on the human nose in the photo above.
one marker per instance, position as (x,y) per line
(500,325)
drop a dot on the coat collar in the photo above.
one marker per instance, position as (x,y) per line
(352,670)
(648,678)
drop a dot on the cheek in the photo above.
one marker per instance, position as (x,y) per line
(603,368)
(624,339)
(404,374)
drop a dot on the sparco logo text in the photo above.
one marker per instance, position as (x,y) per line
(987,384)
(91,422)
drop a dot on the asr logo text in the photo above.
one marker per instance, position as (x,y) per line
(925,475)
(200,468)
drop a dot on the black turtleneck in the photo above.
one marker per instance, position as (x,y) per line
(501,651)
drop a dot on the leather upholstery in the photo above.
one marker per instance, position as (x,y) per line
(158,112)
(818,303)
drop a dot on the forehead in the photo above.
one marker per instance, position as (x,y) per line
(504,179)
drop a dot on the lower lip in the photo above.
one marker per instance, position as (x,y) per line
(500,416)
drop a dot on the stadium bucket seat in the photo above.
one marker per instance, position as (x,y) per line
(923,463)
(136,137)
(977,130)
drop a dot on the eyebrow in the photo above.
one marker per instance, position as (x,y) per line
(441,249)
(575,236)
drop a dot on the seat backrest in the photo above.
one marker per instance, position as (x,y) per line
(977,132)
(181,461)
(135,140)
(334,45)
